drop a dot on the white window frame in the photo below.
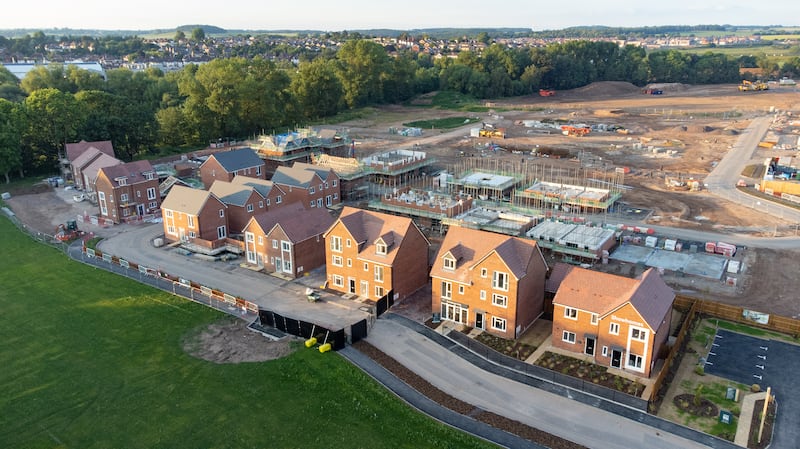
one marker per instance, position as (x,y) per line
(638,363)
(568,337)
(123,197)
(594,318)
(613,328)
(151,193)
(638,334)
(337,280)
(379,273)
(484,272)
(337,261)
(447,290)
(449,263)
(366,266)
(499,324)
(190,221)
(222,213)
(499,300)
(605,351)
(483,295)
(380,249)
(167,212)
(274,243)
(249,208)
(570,313)
(334,183)
(311,190)
(278,199)
(378,291)
(500,281)
(460,289)
(336,243)
(221,232)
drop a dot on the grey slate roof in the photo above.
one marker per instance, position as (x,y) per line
(239,159)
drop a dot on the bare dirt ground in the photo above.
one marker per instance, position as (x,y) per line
(229,341)
(698,123)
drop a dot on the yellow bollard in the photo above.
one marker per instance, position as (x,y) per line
(311,342)
(325,348)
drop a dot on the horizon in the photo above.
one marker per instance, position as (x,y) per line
(317,15)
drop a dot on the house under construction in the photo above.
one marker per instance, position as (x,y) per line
(299,146)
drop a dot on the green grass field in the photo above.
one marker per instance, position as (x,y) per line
(442,123)
(92,360)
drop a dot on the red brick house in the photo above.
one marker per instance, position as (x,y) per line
(273,195)
(243,201)
(225,165)
(86,167)
(621,322)
(128,191)
(75,150)
(369,254)
(310,184)
(287,240)
(488,281)
(194,215)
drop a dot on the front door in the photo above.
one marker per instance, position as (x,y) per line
(140,209)
(589,346)
(479,320)
(616,358)
(352,286)
(319,202)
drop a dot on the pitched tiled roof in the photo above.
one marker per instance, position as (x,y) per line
(470,246)
(557,275)
(296,221)
(86,157)
(602,293)
(132,171)
(239,159)
(294,176)
(230,193)
(320,171)
(262,186)
(103,160)
(367,226)
(76,149)
(185,199)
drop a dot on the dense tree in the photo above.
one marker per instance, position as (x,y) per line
(179,36)
(52,118)
(317,89)
(11,125)
(198,34)
(362,67)
(9,86)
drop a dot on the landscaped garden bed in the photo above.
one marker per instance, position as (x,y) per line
(589,372)
(511,348)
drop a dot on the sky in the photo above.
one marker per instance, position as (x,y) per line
(337,15)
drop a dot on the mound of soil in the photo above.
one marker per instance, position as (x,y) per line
(230,341)
(607,89)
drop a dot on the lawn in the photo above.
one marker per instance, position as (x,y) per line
(442,123)
(92,360)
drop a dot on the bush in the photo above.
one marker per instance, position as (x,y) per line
(755,388)
(700,370)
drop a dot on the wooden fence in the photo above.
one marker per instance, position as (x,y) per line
(694,306)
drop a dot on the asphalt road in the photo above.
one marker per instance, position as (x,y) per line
(572,420)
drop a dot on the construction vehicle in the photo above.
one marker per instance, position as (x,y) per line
(576,131)
(547,93)
(653,92)
(750,86)
(68,231)
(489,130)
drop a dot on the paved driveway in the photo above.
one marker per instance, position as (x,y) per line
(769,363)
(271,293)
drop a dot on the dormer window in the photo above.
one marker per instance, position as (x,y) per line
(449,263)
(380,248)
(122,180)
(149,175)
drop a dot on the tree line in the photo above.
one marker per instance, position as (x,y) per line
(146,111)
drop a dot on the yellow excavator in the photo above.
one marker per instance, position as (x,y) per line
(748,86)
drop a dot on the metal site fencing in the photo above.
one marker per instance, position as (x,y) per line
(162,280)
(41,237)
(547,375)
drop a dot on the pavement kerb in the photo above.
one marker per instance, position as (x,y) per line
(577,395)
(432,409)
